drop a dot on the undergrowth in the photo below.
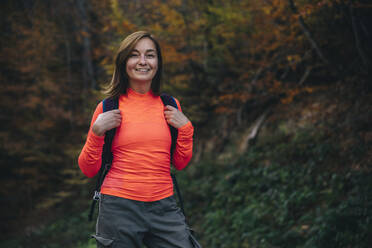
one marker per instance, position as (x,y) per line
(285,191)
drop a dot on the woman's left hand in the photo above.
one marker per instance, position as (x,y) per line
(174,117)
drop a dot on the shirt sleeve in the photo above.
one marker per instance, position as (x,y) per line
(183,152)
(90,157)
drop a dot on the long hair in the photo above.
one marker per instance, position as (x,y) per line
(120,81)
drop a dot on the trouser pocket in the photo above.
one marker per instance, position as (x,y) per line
(103,242)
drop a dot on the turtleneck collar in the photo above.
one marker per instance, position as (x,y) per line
(133,93)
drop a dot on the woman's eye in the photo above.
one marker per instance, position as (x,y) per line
(151,56)
(133,55)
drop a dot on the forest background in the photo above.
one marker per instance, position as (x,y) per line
(279,92)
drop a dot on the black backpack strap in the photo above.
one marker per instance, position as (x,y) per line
(107,105)
(174,179)
(169,100)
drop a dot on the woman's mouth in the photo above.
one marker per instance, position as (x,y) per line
(142,69)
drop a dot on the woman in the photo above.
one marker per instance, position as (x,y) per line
(136,203)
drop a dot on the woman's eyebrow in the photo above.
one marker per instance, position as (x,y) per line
(148,50)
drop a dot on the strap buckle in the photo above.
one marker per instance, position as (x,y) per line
(97,195)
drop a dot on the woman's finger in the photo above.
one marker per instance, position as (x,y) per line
(169,107)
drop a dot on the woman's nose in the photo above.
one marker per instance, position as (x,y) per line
(142,60)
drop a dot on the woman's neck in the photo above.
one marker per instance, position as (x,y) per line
(140,87)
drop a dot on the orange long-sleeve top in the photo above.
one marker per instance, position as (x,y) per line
(141,150)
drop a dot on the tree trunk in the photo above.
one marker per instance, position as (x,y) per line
(88,72)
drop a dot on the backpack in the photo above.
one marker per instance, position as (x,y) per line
(113,103)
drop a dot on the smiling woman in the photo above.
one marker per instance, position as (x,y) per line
(137,205)
(142,65)
(137,49)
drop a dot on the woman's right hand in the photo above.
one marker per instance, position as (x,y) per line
(106,121)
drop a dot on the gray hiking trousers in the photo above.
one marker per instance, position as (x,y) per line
(130,224)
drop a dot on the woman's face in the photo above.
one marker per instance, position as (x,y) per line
(142,63)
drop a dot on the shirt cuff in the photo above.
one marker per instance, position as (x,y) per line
(95,140)
(186,131)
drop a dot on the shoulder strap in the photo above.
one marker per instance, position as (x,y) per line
(169,100)
(107,105)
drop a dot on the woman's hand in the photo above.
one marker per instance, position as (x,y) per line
(106,121)
(174,117)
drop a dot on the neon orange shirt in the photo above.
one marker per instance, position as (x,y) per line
(141,150)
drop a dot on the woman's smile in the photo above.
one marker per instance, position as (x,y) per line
(142,69)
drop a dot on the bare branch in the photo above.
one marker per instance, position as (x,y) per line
(253,131)
(356,36)
(307,33)
(306,75)
(257,75)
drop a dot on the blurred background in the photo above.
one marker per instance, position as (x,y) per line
(279,93)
